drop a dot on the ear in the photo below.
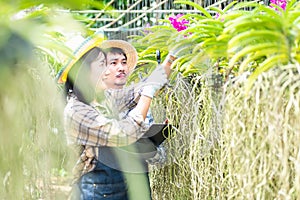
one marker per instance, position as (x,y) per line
(105,73)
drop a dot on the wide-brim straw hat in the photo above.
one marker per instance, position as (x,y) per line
(88,43)
(97,40)
(129,50)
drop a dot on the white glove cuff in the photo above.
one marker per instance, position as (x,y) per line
(149,91)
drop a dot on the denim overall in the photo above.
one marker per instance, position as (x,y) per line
(119,173)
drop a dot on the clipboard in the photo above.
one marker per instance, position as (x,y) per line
(158,133)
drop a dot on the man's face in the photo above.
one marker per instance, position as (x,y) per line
(115,76)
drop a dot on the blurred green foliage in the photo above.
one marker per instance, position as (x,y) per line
(33,151)
(31,105)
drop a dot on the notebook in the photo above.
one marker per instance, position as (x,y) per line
(157,133)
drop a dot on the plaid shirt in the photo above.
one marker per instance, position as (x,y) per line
(111,121)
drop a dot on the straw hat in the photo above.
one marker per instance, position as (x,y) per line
(86,45)
(129,50)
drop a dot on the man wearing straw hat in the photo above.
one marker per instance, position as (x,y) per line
(102,116)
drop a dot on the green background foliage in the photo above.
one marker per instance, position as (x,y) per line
(233,97)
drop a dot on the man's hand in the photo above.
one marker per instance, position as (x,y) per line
(156,80)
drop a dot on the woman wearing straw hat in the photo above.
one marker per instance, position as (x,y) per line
(106,120)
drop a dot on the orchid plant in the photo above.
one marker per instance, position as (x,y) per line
(241,40)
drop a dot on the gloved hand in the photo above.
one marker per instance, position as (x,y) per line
(156,80)
(150,90)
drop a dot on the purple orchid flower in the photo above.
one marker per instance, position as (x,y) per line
(281,3)
(179,25)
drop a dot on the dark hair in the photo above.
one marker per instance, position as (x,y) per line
(78,80)
(115,50)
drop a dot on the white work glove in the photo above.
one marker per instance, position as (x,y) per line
(156,80)
(150,90)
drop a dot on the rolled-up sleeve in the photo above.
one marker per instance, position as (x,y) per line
(86,125)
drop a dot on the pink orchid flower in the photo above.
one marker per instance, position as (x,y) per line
(178,24)
(281,3)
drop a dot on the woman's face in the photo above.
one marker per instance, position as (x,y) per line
(98,66)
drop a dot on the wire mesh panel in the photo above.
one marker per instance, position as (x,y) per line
(131,16)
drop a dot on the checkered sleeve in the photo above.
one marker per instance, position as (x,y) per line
(85,125)
(123,100)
